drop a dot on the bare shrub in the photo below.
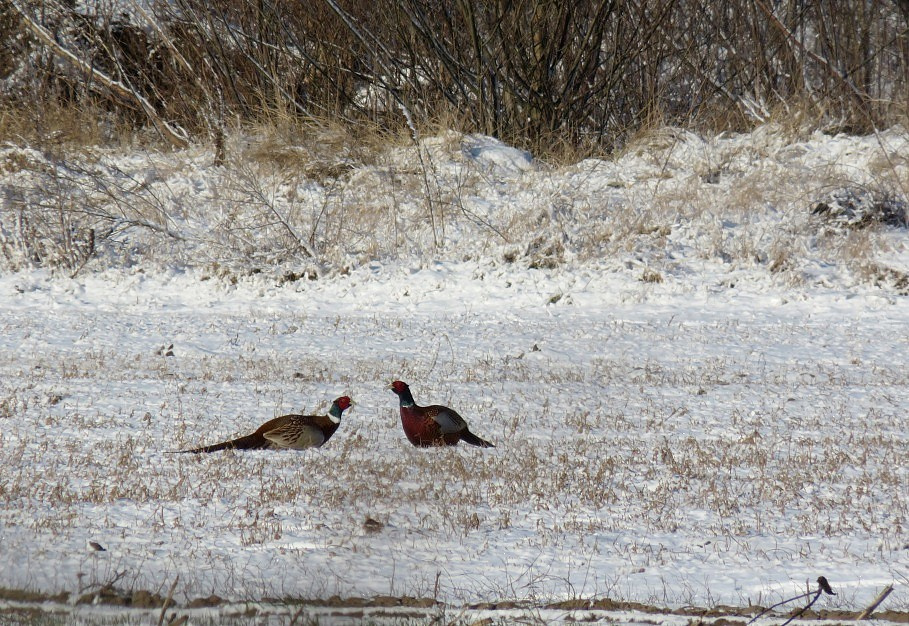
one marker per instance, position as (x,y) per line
(71,211)
(542,75)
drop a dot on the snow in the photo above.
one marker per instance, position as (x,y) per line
(497,158)
(718,436)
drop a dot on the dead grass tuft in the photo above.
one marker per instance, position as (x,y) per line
(67,128)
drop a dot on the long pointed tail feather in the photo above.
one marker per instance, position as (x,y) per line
(469,437)
(249,442)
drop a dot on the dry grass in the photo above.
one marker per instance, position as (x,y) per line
(305,199)
(68,128)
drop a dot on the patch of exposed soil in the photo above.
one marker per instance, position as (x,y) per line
(25,606)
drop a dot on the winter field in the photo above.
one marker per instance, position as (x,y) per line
(692,357)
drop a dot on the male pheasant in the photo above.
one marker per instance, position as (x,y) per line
(294,432)
(434,425)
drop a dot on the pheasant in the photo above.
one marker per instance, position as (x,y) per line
(433,425)
(295,432)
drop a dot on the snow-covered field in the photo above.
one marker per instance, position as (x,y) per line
(690,405)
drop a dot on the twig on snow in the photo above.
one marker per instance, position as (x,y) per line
(167,603)
(877,601)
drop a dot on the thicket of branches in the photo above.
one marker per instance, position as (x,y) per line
(527,71)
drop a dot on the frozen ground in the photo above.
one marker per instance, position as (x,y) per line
(720,435)
(682,450)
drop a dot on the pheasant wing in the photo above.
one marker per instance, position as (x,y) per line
(448,420)
(297,433)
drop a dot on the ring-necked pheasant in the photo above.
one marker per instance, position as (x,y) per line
(433,425)
(295,432)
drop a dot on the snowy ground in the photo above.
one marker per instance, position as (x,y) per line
(720,435)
